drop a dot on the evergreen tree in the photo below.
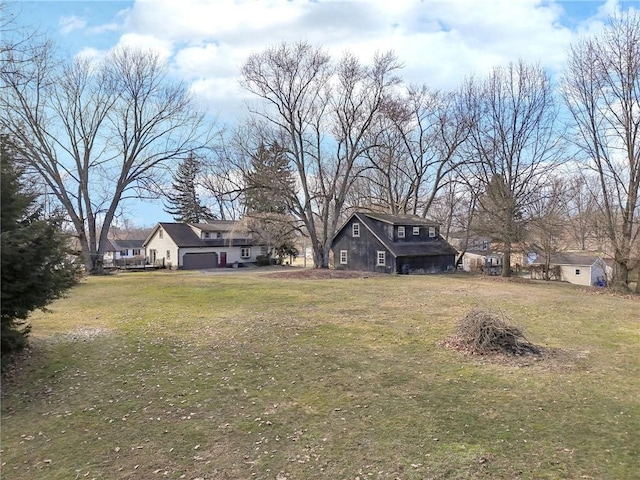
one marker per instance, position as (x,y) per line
(269,185)
(184,203)
(36,266)
(269,188)
(500,217)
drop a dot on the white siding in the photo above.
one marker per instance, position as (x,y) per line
(161,246)
(233,253)
(568,274)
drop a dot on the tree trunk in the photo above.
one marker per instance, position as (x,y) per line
(506,261)
(621,274)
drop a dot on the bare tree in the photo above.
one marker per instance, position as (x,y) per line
(98,133)
(225,170)
(549,223)
(582,209)
(418,148)
(320,112)
(512,147)
(602,93)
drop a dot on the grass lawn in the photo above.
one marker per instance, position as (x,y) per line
(249,375)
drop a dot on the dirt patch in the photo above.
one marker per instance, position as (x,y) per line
(546,358)
(323,274)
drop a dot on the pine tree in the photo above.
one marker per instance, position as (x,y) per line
(500,218)
(36,264)
(269,184)
(184,203)
(269,187)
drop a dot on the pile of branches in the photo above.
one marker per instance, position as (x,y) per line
(481,332)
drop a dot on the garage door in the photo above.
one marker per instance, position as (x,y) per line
(194,261)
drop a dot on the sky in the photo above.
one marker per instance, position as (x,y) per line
(205,42)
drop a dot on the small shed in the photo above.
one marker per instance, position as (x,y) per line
(579,269)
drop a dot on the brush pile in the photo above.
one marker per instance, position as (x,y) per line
(481,332)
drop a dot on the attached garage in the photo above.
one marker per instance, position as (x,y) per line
(196,261)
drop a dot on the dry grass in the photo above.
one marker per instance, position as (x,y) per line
(177,375)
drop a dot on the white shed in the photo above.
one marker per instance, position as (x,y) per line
(587,270)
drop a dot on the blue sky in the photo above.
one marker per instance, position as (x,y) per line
(205,42)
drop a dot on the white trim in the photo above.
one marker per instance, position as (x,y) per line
(416,230)
(432,232)
(381,258)
(401,232)
(355,230)
(343,257)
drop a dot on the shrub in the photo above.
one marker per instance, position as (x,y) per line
(263,260)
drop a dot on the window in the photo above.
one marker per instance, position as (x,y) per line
(168,254)
(577,271)
(485,245)
(206,234)
(245,252)
(218,235)
(136,252)
(400,232)
(343,257)
(432,232)
(355,229)
(382,258)
(416,230)
(160,233)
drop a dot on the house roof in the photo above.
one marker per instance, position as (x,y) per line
(184,236)
(405,249)
(401,219)
(568,259)
(117,245)
(219,226)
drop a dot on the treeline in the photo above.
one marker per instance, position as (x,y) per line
(327,135)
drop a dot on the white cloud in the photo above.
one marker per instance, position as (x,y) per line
(105,27)
(70,23)
(162,47)
(440,42)
(91,54)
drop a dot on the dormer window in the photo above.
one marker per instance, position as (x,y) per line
(400,232)
(432,232)
(416,230)
(218,235)
(206,234)
(355,230)
(160,233)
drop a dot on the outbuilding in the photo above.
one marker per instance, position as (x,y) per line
(391,243)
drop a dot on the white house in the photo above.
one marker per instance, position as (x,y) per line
(119,252)
(219,243)
(578,269)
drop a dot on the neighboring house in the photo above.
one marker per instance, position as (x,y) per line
(478,255)
(219,243)
(388,243)
(484,261)
(573,268)
(122,252)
